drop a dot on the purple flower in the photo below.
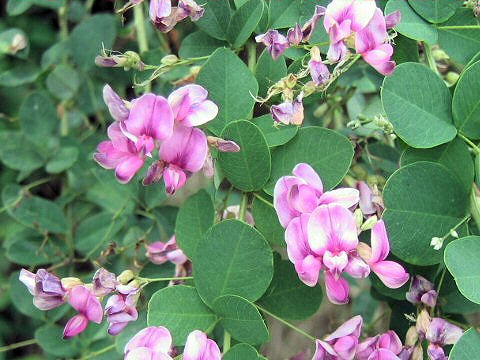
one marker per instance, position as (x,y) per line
(153,343)
(441,333)
(190,106)
(318,70)
(104,282)
(88,307)
(222,144)
(392,20)
(115,104)
(47,290)
(191,8)
(422,291)
(289,113)
(121,309)
(159,252)
(311,25)
(160,9)
(275,42)
(200,347)
(185,153)
(295,35)
(381,347)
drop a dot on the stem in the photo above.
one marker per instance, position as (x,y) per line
(18,345)
(469,142)
(263,199)
(252,56)
(429,56)
(226,341)
(141,34)
(459,27)
(300,331)
(99,352)
(440,283)
(165,279)
(243,207)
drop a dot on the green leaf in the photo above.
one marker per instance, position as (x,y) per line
(248,169)
(243,22)
(461,44)
(195,217)
(96,229)
(412,25)
(38,117)
(284,14)
(406,50)
(89,38)
(18,153)
(327,151)
(467,347)
(21,299)
(454,155)
(63,160)
(199,44)
(50,339)
(242,352)
(63,82)
(34,211)
(17,7)
(275,135)
(241,319)
(19,75)
(466,105)
(287,296)
(180,310)
(418,104)
(435,11)
(233,259)
(461,258)
(269,71)
(266,221)
(216,18)
(231,86)
(422,200)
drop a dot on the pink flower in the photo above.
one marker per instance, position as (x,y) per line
(307,263)
(159,10)
(47,290)
(341,344)
(366,199)
(120,153)
(185,152)
(295,35)
(303,193)
(275,42)
(88,307)
(441,333)
(121,309)
(342,19)
(381,347)
(190,106)
(151,343)
(289,113)
(299,34)
(392,274)
(104,282)
(115,104)
(391,20)
(422,291)
(372,43)
(318,70)
(150,119)
(332,234)
(191,8)
(159,252)
(199,347)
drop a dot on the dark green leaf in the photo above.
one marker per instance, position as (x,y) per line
(199,44)
(50,339)
(216,19)
(269,71)
(18,153)
(468,347)
(266,221)
(19,75)
(63,160)
(275,135)
(241,352)
(63,82)
(435,11)
(244,21)
(38,117)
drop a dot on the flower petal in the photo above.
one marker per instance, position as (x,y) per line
(346,197)
(309,175)
(337,290)
(127,169)
(75,326)
(379,242)
(392,274)
(351,327)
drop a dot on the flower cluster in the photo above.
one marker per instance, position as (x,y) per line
(49,292)
(322,234)
(155,343)
(165,16)
(152,121)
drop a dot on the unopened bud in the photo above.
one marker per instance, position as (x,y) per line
(364,251)
(290,81)
(369,223)
(452,77)
(358,215)
(453,234)
(439,55)
(417,353)
(125,277)
(223,145)
(423,323)
(194,70)
(412,336)
(437,243)
(169,59)
(70,282)
(360,171)
(110,61)
(19,42)
(133,61)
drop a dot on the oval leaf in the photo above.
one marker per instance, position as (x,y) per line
(242,352)
(244,21)
(468,347)
(435,11)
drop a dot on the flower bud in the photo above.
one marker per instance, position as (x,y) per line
(321,110)
(169,59)
(423,323)
(70,282)
(437,243)
(125,277)
(452,77)
(417,353)
(357,214)
(104,282)
(364,251)
(454,234)
(19,42)
(110,61)
(223,145)
(412,336)
(369,223)
(439,54)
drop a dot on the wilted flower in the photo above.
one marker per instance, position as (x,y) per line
(153,342)
(422,291)
(275,42)
(318,70)
(47,289)
(115,104)
(289,113)
(89,309)
(121,309)
(191,107)
(104,282)
(191,8)
(200,347)
(311,25)
(303,193)
(366,203)
(159,252)
(295,35)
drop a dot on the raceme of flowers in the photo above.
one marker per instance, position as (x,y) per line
(322,235)
(153,122)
